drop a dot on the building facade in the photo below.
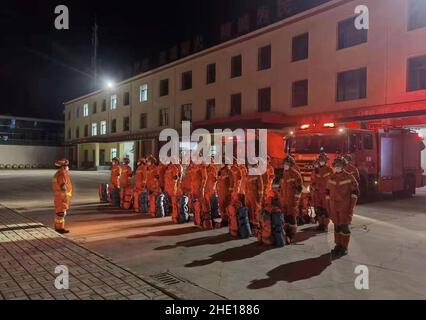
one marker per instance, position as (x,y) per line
(313,65)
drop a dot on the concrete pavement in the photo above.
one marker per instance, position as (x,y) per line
(388,237)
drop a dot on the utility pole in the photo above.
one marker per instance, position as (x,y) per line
(95,55)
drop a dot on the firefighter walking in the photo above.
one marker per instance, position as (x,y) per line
(62,187)
(290,192)
(319,179)
(342,196)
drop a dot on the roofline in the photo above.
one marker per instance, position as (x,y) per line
(256,33)
(32,119)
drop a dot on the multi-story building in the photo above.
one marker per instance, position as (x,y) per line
(314,64)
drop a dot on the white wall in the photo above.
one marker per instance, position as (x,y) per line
(33,155)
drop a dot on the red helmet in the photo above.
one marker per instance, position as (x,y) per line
(61,162)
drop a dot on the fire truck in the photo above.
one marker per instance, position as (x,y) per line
(388,159)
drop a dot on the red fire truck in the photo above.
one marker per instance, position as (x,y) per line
(388,159)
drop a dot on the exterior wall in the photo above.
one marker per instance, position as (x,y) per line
(32,155)
(385,56)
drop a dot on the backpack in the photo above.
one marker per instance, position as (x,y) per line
(183,216)
(244,229)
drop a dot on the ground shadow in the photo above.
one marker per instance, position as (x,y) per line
(167,233)
(119,218)
(307,233)
(199,242)
(233,254)
(294,271)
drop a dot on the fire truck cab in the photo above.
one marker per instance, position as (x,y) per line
(388,159)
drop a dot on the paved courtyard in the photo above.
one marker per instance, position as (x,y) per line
(388,237)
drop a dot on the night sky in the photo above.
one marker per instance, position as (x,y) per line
(41,67)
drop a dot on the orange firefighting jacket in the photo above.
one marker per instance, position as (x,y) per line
(141,176)
(171,179)
(115,176)
(199,178)
(62,187)
(244,174)
(152,179)
(126,176)
(161,173)
(352,169)
(254,187)
(211,181)
(291,185)
(236,178)
(342,188)
(319,180)
(225,180)
(268,179)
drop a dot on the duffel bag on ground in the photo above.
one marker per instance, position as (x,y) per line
(277,224)
(160,207)
(103,192)
(183,216)
(115,197)
(143,202)
(244,229)
(265,233)
(214,205)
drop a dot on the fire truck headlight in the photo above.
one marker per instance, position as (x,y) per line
(341,130)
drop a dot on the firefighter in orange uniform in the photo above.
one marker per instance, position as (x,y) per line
(140,181)
(152,184)
(62,187)
(161,174)
(319,180)
(342,196)
(236,180)
(254,195)
(351,168)
(172,176)
(115,175)
(224,190)
(291,185)
(125,178)
(244,174)
(268,179)
(211,183)
(198,186)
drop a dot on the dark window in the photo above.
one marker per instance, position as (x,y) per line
(236,66)
(164,87)
(368,142)
(416,14)
(300,47)
(77,132)
(187,80)
(143,121)
(416,74)
(103,105)
(114,126)
(300,93)
(126,98)
(69,133)
(126,124)
(349,35)
(264,58)
(210,108)
(352,85)
(163,117)
(95,107)
(186,112)
(235,104)
(211,73)
(264,100)
(86,130)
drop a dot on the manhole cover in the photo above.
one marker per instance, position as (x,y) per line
(167,278)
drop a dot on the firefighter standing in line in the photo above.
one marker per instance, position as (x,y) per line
(115,175)
(224,190)
(253,199)
(236,180)
(244,174)
(319,180)
(62,187)
(198,185)
(171,186)
(152,184)
(342,196)
(351,168)
(268,179)
(140,182)
(291,185)
(125,178)
(211,183)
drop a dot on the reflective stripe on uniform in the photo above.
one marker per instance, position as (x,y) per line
(332,182)
(345,182)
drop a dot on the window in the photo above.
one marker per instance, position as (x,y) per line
(113,153)
(94,129)
(416,14)
(113,125)
(352,85)
(264,58)
(95,107)
(300,47)
(349,35)
(186,112)
(235,104)
(164,117)
(69,133)
(236,66)
(211,109)
(77,132)
(211,73)
(86,130)
(85,110)
(77,113)
(368,142)
(143,121)
(113,103)
(103,127)
(187,80)
(126,124)
(103,105)
(164,87)
(126,98)
(264,100)
(143,93)
(416,74)
(300,93)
